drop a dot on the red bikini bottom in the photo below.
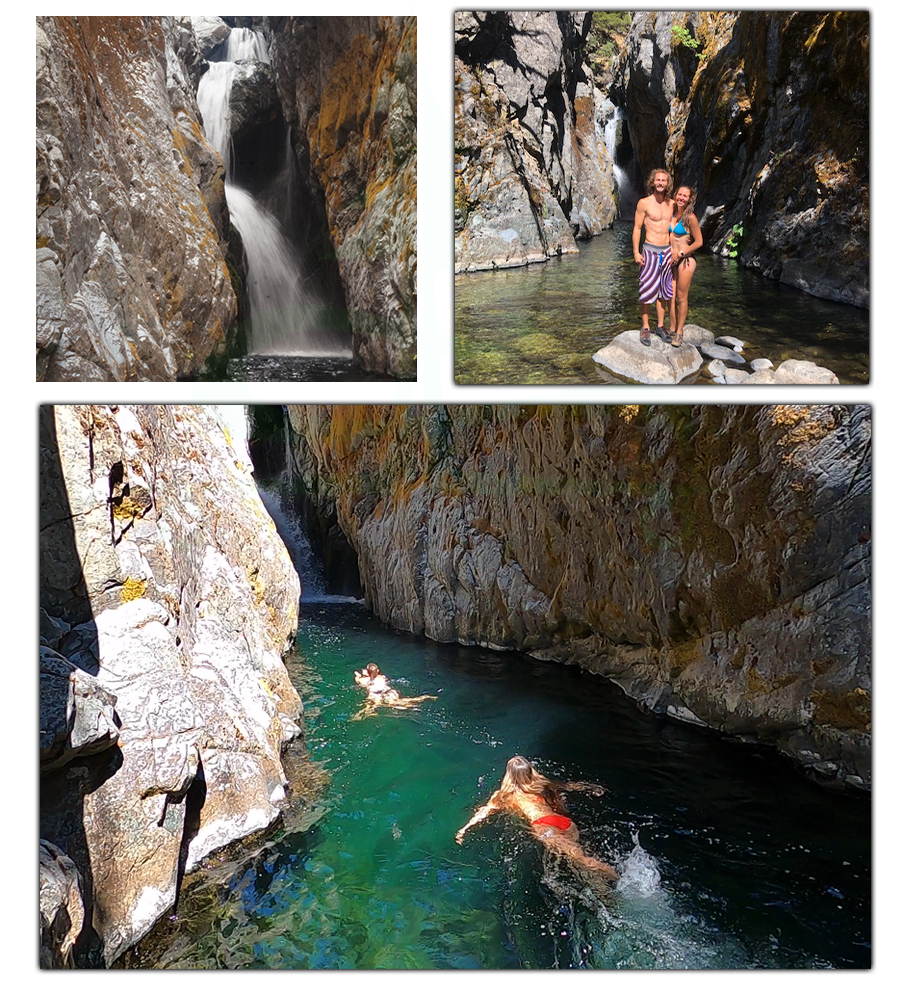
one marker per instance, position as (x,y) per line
(553,819)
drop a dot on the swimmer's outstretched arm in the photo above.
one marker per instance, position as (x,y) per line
(479,815)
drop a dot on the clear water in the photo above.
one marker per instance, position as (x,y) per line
(540,324)
(295,368)
(729,858)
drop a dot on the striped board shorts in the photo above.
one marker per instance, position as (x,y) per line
(656,274)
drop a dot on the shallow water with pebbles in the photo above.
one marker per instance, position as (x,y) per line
(540,324)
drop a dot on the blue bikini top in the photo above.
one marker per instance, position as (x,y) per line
(678,229)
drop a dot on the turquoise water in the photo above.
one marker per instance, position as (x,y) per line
(540,324)
(729,858)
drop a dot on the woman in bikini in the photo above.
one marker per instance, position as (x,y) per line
(527,793)
(380,692)
(685,240)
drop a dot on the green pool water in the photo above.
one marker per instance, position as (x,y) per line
(729,858)
(540,324)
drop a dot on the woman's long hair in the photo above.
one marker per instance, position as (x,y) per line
(521,777)
(689,207)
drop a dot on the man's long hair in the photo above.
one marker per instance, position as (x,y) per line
(651,177)
(521,776)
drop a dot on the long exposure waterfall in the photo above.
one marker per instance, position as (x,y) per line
(628,195)
(286,315)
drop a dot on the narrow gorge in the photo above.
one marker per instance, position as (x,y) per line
(226,198)
(671,600)
(561,116)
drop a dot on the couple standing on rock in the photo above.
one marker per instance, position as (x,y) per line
(667,261)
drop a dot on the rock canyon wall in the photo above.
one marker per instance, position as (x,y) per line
(167,600)
(136,258)
(348,89)
(714,562)
(531,176)
(131,217)
(766,113)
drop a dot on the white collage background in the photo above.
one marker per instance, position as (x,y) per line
(435,384)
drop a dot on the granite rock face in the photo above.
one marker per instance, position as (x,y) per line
(772,126)
(131,218)
(61,906)
(168,599)
(348,90)
(531,176)
(714,562)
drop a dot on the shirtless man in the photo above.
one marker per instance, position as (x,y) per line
(654,213)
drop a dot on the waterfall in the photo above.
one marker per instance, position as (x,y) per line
(312,577)
(628,195)
(285,316)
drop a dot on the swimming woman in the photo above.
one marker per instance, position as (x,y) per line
(531,795)
(380,691)
(685,240)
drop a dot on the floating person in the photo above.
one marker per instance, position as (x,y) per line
(685,239)
(527,793)
(380,692)
(653,214)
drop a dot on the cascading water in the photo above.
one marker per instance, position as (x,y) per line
(628,196)
(285,316)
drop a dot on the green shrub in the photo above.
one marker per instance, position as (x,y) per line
(681,36)
(735,242)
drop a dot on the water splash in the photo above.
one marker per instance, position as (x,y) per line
(639,873)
